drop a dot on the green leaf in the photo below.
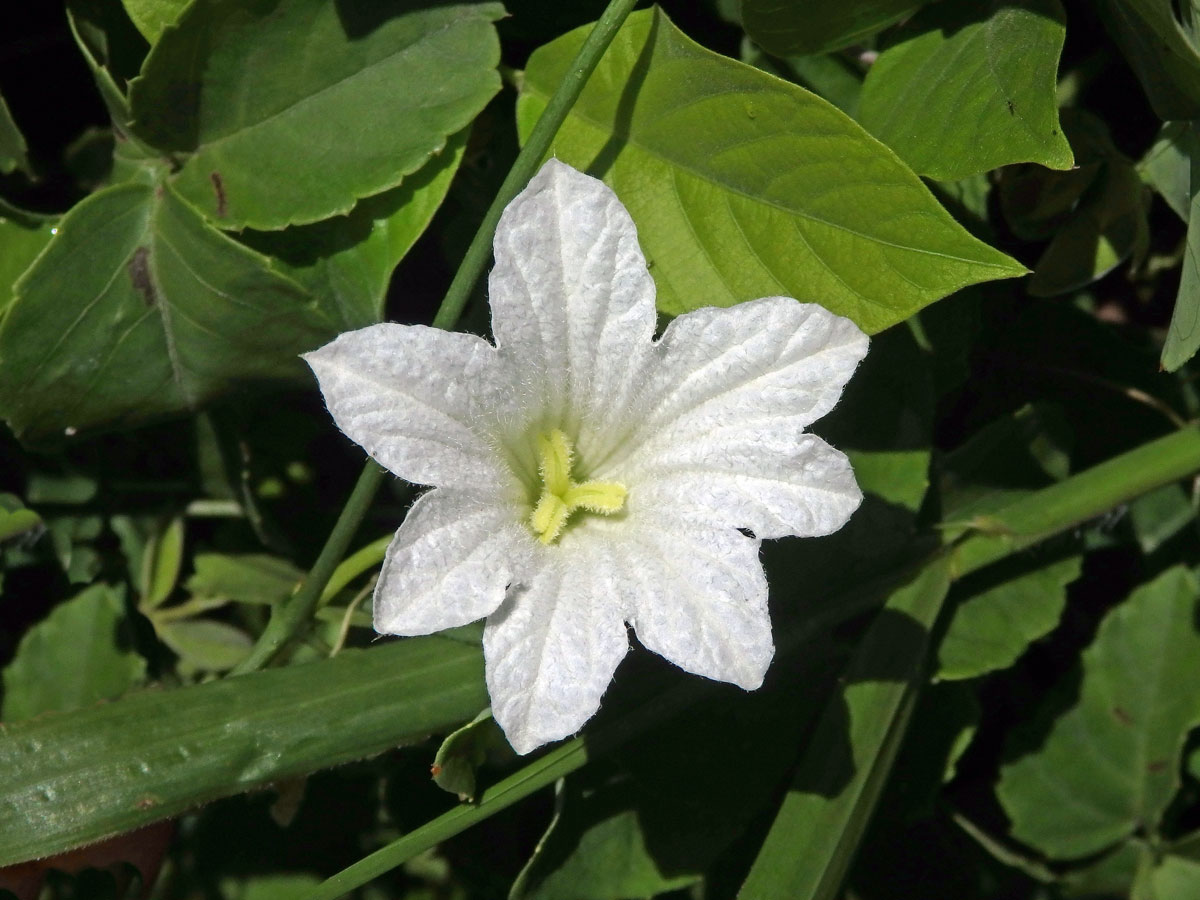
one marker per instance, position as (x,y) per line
(137,310)
(991,629)
(1110,764)
(1158,516)
(1183,334)
(825,814)
(152,16)
(14,154)
(464,751)
(204,644)
(269,101)
(75,657)
(350,259)
(161,561)
(1159,51)
(70,780)
(246,577)
(970,87)
(19,246)
(818,25)
(745,186)
(1176,878)
(15,519)
(1167,165)
(1106,227)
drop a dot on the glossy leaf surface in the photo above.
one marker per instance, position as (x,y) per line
(744,186)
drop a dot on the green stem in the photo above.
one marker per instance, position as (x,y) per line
(530,157)
(290,616)
(1079,499)
(360,561)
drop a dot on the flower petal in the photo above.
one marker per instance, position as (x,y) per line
(571,296)
(768,482)
(415,398)
(551,650)
(724,431)
(698,596)
(449,564)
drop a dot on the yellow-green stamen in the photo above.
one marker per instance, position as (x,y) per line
(560,495)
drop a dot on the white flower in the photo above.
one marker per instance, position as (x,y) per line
(586,476)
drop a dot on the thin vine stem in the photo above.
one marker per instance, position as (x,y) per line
(293,614)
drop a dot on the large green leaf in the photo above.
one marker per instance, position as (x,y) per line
(1160,51)
(349,259)
(290,112)
(1183,334)
(970,87)
(74,779)
(137,309)
(825,814)
(76,656)
(13,152)
(990,629)
(152,16)
(745,186)
(814,26)
(1110,764)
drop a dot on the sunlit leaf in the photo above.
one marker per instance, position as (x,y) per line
(818,25)
(291,112)
(744,186)
(969,87)
(75,657)
(157,753)
(1110,764)
(137,309)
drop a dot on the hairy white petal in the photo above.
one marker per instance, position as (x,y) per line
(772,483)
(698,597)
(450,563)
(572,299)
(417,399)
(551,650)
(765,366)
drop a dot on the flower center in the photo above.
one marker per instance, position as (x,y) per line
(560,495)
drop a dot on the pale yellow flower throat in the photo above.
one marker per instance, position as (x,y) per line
(560,495)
